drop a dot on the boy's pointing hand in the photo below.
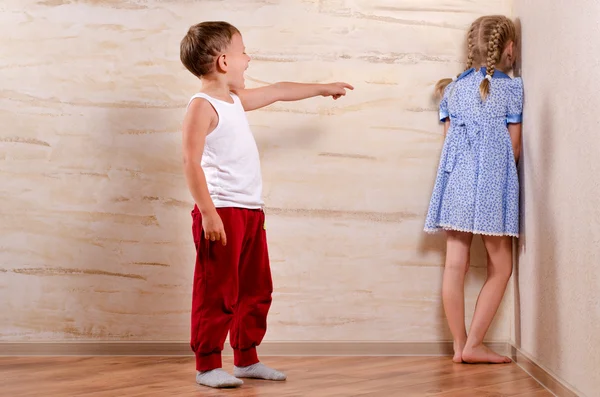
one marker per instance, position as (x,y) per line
(336,90)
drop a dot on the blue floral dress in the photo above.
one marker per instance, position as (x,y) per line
(477,186)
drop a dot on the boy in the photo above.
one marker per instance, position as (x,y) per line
(232,279)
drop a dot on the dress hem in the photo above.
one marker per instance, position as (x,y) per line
(432,230)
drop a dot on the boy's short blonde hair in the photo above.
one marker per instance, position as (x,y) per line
(203,43)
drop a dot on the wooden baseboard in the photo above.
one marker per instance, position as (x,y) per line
(350,348)
(542,375)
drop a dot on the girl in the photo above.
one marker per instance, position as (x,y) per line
(477,189)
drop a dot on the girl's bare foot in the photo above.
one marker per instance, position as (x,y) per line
(483,354)
(458,351)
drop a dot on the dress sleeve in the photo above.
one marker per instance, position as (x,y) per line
(444,113)
(515,102)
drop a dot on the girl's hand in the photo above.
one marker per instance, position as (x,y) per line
(335,90)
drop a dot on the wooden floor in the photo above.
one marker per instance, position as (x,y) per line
(307,376)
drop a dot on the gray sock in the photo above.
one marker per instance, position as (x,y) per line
(258,371)
(217,378)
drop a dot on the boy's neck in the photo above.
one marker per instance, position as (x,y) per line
(216,88)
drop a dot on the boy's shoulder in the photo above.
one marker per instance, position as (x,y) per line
(200,103)
(200,113)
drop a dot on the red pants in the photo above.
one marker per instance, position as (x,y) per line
(232,288)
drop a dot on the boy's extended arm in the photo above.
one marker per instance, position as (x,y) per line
(198,120)
(256,98)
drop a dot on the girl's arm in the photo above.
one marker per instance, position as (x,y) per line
(515,115)
(515,136)
(446,126)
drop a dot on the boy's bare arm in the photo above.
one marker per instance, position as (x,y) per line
(199,120)
(256,98)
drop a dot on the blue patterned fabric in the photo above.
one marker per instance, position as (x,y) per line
(477,187)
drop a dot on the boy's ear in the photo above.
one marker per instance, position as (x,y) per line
(222,63)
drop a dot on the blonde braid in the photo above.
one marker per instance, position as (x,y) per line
(471,47)
(493,57)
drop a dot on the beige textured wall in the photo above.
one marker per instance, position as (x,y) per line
(559,272)
(95,225)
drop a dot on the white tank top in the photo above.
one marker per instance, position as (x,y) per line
(230,160)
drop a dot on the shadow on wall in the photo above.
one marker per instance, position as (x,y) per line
(547,332)
(540,249)
(141,225)
(520,243)
(156,252)
(540,252)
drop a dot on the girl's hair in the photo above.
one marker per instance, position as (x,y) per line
(203,43)
(486,41)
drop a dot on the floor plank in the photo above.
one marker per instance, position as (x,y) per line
(307,376)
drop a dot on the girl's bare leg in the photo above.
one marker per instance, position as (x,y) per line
(499,250)
(458,248)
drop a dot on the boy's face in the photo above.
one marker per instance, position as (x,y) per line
(236,62)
